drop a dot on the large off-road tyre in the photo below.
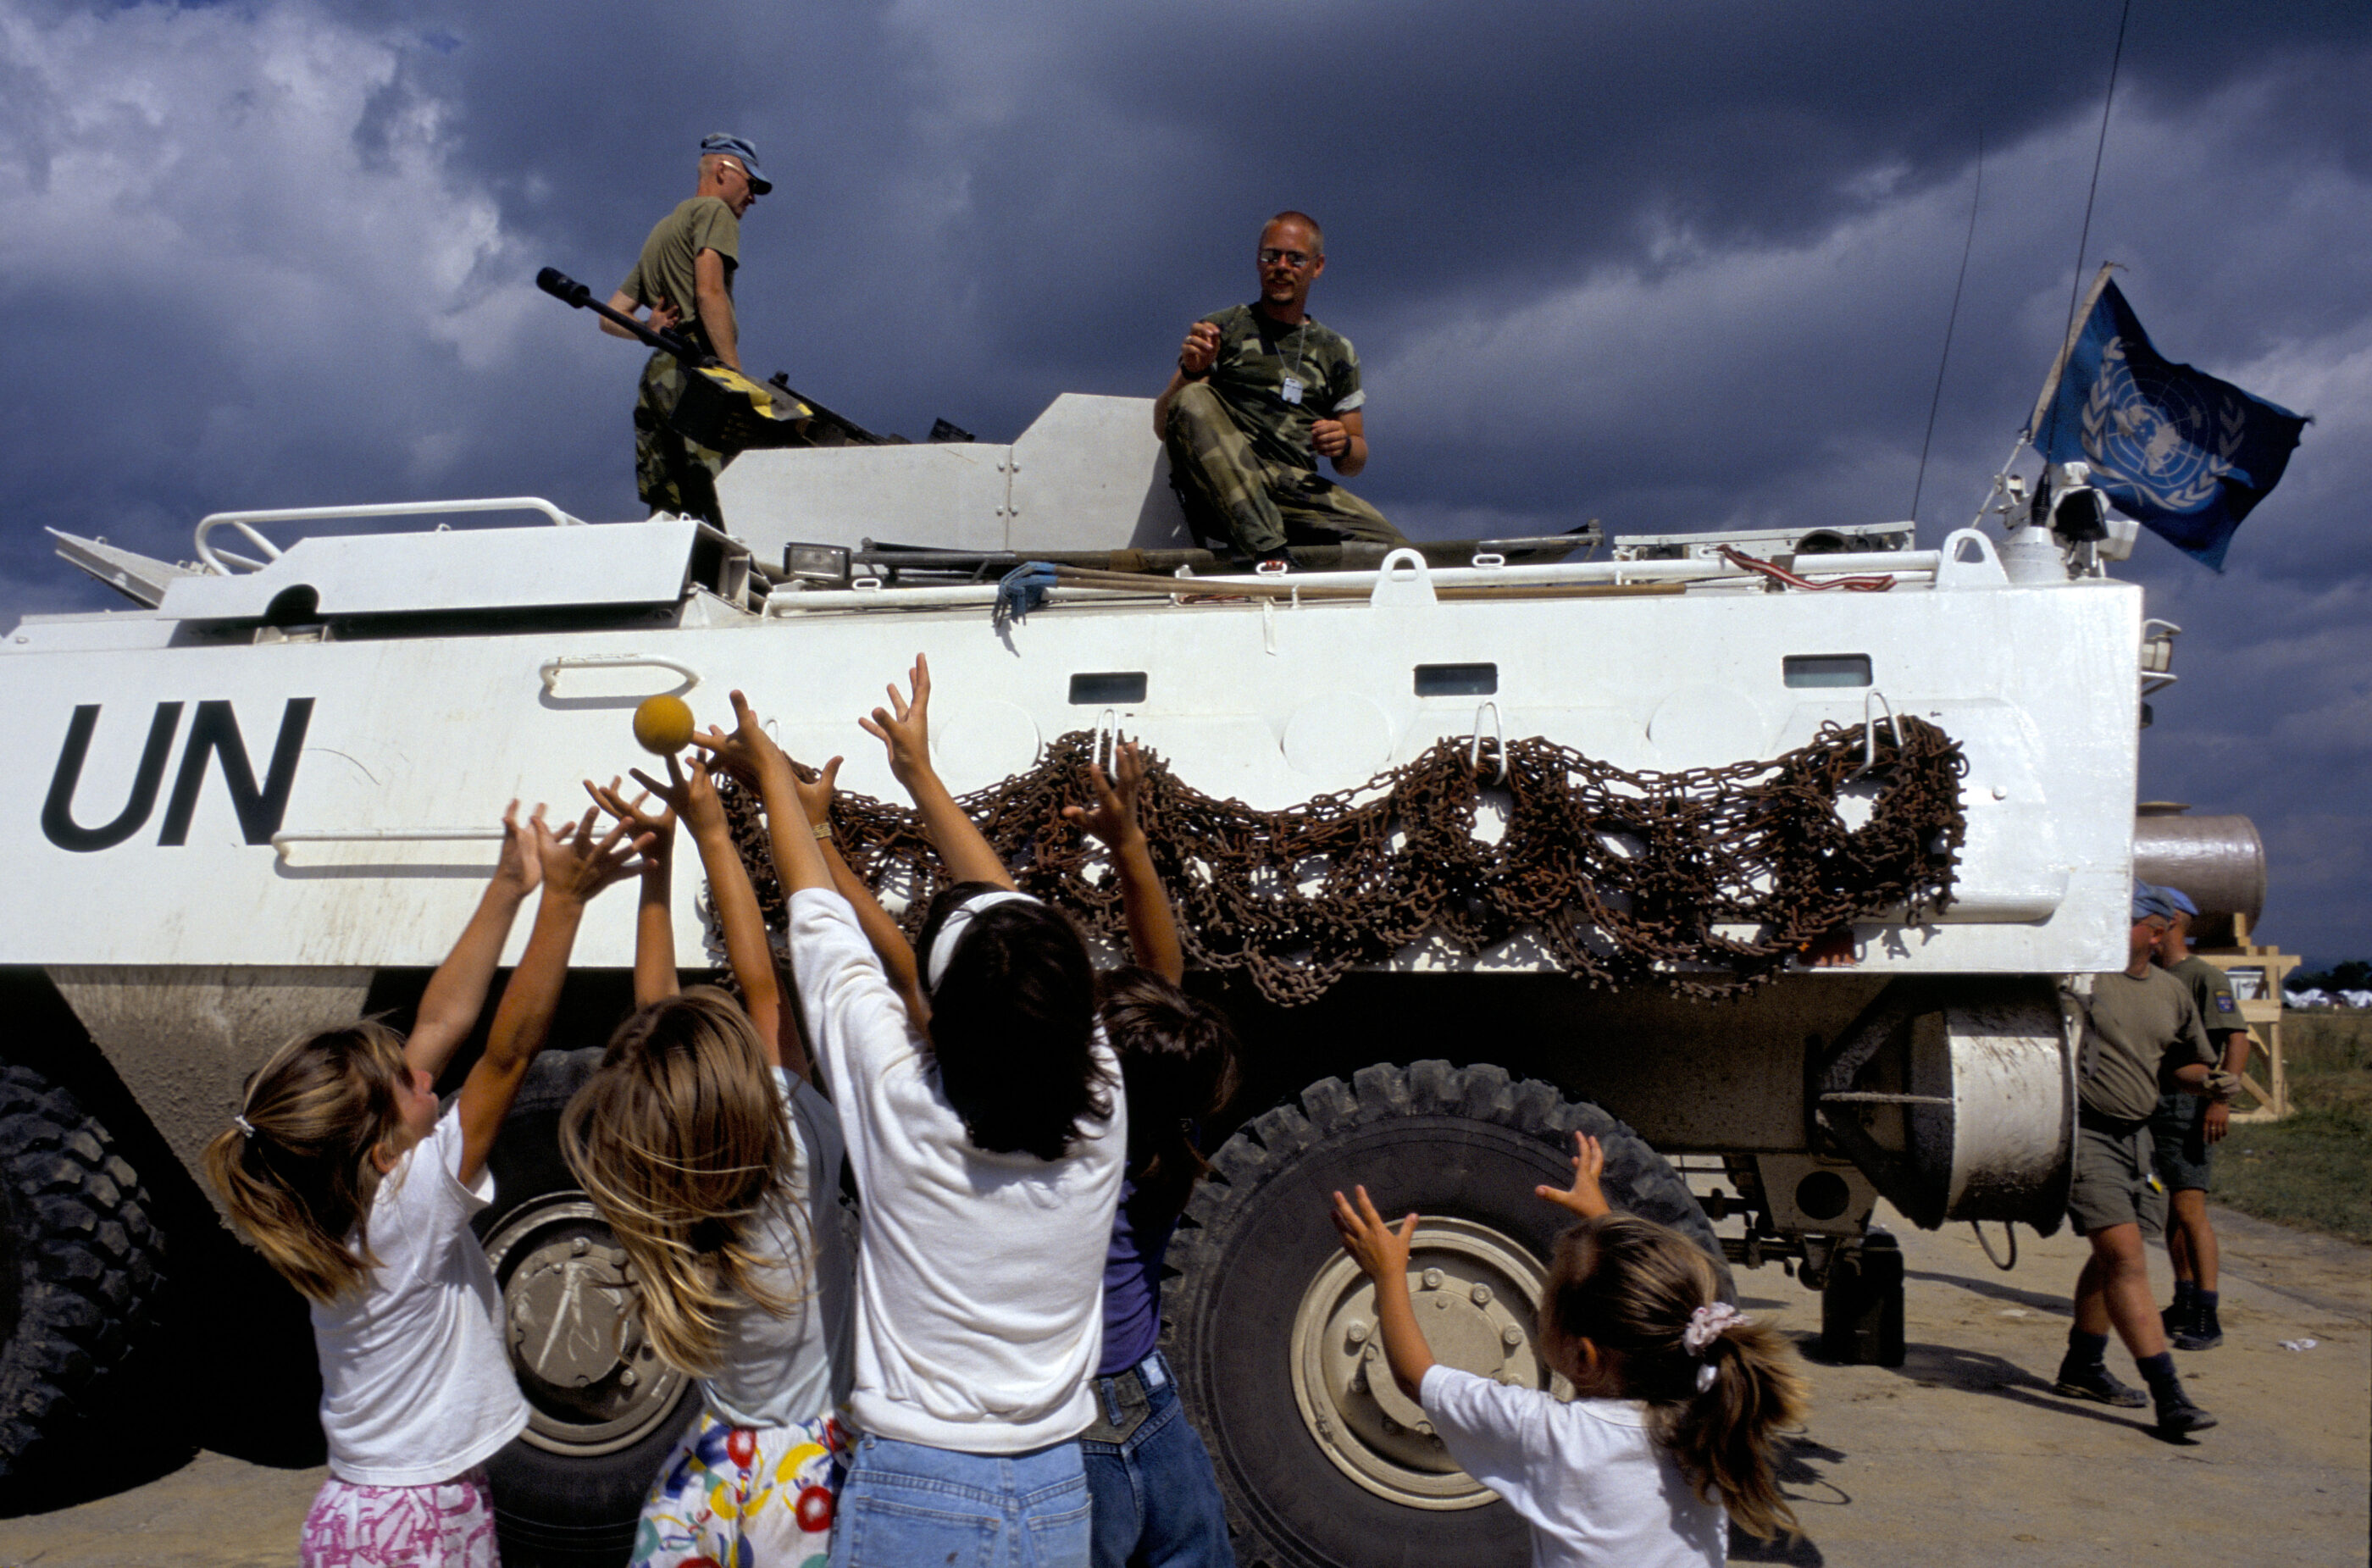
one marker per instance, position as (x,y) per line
(604,1411)
(1322,1466)
(82,1280)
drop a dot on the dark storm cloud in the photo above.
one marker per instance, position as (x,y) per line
(1676,266)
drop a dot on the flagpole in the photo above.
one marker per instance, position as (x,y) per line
(2059,366)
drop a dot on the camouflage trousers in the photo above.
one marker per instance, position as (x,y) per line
(672,474)
(1231,492)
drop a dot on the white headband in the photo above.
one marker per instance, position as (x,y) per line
(951,931)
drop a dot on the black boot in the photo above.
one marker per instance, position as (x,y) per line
(2177,1317)
(2203,1331)
(2096,1382)
(2176,1413)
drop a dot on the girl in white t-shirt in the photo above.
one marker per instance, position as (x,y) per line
(1678,1398)
(342,1171)
(706,1148)
(986,1134)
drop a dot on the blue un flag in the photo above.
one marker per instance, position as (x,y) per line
(2180,452)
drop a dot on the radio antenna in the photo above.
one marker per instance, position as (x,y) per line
(2084,240)
(1951,321)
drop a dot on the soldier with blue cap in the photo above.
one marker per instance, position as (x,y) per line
(684,278)
(2186,1130)
(2142,1038)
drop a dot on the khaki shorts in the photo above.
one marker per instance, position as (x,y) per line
(2112,1174)
(2186,1161)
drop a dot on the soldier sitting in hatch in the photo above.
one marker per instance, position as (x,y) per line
(1261,393)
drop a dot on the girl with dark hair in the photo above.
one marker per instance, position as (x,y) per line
(1678,1398)
(346,1176)
(703,1143)
(987,1137)
(1156,1498)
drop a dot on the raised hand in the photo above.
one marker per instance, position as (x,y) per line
(518,870)
(1113,818)
(691,794)
(1379,1249)
(1200,349)
(748,752)
(904,726)
(576,865)
(635,814)
(815,794)
(1585,1199)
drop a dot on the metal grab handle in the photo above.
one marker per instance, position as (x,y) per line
(1870,730)
(1105,749)
(1498,735)
(552,668)
(281,842)
(241,520)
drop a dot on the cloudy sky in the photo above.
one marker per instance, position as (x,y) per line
(1672,266)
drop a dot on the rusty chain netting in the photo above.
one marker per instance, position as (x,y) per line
(1623,877)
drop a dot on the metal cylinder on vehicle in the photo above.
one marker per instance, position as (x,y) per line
(2219,862)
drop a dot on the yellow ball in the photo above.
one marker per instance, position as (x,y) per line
(663,724)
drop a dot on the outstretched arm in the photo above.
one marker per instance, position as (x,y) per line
(692,794)
(456,991)
(654,976)
(576,868)
(888,943)
(1382,1251)
(1151,925)
(904,727)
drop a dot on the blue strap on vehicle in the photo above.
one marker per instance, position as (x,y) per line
(1022,590)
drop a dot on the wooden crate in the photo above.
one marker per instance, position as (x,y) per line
(2268,1083)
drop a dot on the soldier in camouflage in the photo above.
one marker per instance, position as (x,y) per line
(685,278)
(1261,393)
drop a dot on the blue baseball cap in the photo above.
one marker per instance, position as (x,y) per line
(734,146)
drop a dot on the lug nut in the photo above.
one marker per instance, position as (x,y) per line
(578,1248)
(627,1379)
(1433,1279)
(1356,1332)
(1511,1336)
(1481,1295)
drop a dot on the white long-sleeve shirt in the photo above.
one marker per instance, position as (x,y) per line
(978,1276)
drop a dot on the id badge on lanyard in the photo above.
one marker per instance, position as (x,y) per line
(1292,391)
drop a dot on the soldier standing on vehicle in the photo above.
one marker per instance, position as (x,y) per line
(1262,393)
(2142,1034)
(685,277)
(2185,1131)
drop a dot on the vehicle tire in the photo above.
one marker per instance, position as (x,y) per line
(1259,1306)
(569,1491)
(82,1279)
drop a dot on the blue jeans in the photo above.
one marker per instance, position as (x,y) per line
(905,1504)
(1156,1502)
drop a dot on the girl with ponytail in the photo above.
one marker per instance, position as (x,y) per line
(1678,1399)
(358,1188)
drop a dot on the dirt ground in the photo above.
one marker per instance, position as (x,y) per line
(1963,1455)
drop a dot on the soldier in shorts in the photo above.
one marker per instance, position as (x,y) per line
(2185,1131)
(685,276)
(2141,1035)
(1261,393)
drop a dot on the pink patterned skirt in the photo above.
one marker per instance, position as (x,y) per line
(447,1524)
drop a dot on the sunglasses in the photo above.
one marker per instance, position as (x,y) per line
(1270,256)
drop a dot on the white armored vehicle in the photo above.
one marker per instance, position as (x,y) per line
(1478,850)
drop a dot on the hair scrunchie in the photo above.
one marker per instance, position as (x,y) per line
(1707,1324)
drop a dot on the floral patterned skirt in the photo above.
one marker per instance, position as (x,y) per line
(744,1497)
(447,1524)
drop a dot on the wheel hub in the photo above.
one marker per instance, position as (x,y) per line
(1475,1293)
(593,1384)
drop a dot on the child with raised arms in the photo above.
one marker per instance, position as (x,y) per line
(708,1151)
(987,1137)
(1678,1401)
(346,1176)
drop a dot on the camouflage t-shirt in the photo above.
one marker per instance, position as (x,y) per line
(2136,1032)
(1257,356)
(2211,992)
(667,271)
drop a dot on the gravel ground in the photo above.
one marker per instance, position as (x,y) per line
(1963,1455)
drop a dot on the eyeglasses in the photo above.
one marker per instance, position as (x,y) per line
(1270,256)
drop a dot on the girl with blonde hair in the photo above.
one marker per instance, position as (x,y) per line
(346,1176)
(703,1143)
(1680,1399)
